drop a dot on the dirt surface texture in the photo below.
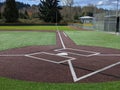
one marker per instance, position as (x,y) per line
(64,62)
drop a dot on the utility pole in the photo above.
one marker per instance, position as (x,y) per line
(1,1)
(117,18)
(56,15)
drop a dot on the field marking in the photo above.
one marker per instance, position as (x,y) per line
(90,74)
(65,34)
(41,59)
(92,52)
(77,50)
(48,54)
(74,76)
(69,60)
(48,60)
(34,53)
(110,55)
(63,45)
(11,55)
(97,71)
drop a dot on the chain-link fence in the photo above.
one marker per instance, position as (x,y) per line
(108,20)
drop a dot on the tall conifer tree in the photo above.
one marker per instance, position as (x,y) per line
(49,11)
(11,12)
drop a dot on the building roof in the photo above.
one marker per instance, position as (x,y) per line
(86,17)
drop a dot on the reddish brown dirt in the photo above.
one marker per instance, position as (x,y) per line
(29,69)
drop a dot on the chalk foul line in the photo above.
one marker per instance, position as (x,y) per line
(12,55)
(63,45)
(64,34)
(90,74)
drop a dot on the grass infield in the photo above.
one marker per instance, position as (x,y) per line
(17,39)
(93,38)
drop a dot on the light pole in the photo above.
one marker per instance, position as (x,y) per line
(56,20)
(1,1)
(117,18)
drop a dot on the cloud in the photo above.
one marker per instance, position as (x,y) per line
(100,3)
(34,0)
(107,2)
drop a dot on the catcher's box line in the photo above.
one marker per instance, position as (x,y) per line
(52,61)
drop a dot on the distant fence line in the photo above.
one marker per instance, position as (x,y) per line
(18,24)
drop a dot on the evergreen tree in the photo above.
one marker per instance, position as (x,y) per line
(26,15)
(0,15)
(11,12)
(49,11)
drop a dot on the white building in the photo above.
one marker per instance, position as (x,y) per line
(86,19)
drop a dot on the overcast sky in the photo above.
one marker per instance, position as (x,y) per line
(77,2)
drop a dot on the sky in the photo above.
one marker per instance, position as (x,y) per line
(78,2)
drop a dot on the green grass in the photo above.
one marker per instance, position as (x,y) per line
(9,84)
(19,39)
(16,39)
(34,28)
(93,38)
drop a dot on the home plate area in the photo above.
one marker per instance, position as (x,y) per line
(66,65)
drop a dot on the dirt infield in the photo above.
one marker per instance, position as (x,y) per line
(64,62)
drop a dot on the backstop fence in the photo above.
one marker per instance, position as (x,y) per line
(109,19)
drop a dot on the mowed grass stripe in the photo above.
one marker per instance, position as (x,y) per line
(93,38)
(35,28)
(14,39)
(9,84)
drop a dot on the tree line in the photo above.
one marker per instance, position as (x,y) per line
(48,11)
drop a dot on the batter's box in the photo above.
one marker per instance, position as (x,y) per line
(49,57)
(78,52)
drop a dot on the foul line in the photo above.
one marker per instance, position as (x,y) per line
(90,74)
(63,45)
(65,34)
(72,71)
(109,55)
(10,55)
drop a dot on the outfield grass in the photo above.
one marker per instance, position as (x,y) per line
(9,84)
(35,28)
(14,39)
(93,38)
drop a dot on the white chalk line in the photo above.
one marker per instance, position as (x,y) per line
(90,74)
(77,50)
(65,34)
(92,53)
(73,73)
(11,55)
(74,76)
(110,55)
(63,45)
(48,60)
